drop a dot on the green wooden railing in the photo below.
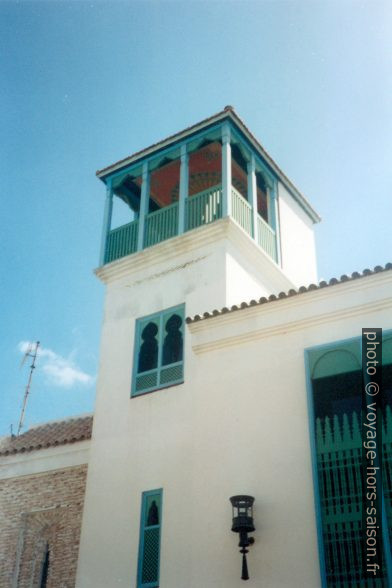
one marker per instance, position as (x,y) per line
(203,208)
(121,241)
(241,211)
(339,447)
(161,225)
(200,209)
(266,238)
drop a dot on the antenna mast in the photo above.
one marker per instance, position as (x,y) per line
(33,354)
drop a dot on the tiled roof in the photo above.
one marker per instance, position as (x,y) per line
(48,435)
(162,141)
(228,111)
(282,295)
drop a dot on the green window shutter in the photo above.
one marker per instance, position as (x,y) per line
(150,539)
(335,387)
(147,354)
(159,351)
(172,345)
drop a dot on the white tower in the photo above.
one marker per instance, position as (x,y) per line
(213,222)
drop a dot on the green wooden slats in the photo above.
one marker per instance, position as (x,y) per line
(161,225)
(338,446)
(241,211)
(121,241)
(266,238)
(151,554)
(200,209)
(203,208)
(150,539)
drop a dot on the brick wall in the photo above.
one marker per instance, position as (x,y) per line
(37,511)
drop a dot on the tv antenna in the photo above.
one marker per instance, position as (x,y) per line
(32,351)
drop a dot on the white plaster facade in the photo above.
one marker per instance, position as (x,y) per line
(45,460)
(296,240)
(239,422)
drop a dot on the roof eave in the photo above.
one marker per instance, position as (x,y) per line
(228,113)
(177,137)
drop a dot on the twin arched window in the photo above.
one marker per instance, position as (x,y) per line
(159,351)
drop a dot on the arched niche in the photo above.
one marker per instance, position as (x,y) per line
(334,361)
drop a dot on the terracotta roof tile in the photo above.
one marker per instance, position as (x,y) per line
(227,111)
(48,435)
(292,292)
(169,138)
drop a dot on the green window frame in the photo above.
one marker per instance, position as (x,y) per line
(159,351)
(334,374)
(150,539)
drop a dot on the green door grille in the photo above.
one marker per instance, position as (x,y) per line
(338,444)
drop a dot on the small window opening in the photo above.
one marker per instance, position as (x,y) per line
(205,168)
(239,173)
(164,184)
(262,202)
(172,346)
(45,569)
(153,515)
(148,354)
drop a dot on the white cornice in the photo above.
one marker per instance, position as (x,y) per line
(164,251)
(189,242)
(276,316)
(44,460)
(288,327)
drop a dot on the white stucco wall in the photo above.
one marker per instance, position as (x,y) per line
(297,240)
(250,273)
(238,424)
(44,460)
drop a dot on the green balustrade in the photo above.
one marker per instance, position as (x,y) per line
(241,211)
(203,208)
(121,241)
(200,209)
(266,238)
(161,225)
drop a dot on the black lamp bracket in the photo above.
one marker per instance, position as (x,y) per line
(243,524)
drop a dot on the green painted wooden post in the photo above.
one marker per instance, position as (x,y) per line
(184,183)
(273,217)
(226,170)
(107,221)
(145,195)
(252,195)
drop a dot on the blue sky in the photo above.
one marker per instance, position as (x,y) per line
(87,83)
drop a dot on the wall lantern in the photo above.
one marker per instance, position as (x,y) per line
(243,524)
